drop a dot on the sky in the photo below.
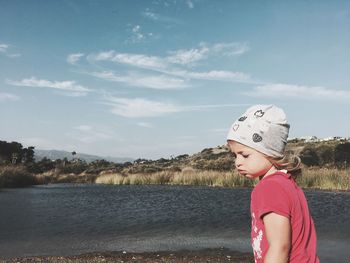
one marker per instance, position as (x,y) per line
(156,79)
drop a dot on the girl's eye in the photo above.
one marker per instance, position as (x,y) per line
(245,155)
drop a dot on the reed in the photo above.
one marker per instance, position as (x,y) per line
(324,178)
(15,176)
(185,177)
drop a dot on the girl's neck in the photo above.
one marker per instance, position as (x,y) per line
(272,170)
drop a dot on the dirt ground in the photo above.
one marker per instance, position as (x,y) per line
(208,255)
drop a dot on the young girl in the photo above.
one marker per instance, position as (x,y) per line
(282,227)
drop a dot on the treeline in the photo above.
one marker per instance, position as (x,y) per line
(14,153)
(18,167)
(326,155)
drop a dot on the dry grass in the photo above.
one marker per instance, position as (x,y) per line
(325,178)
(320,178)
(185,177)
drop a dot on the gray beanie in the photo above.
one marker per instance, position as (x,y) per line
(263,128)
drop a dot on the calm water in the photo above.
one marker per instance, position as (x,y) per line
(72,219)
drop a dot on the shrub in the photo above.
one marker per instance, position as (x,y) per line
(309,156)
(16,176)
(342,155)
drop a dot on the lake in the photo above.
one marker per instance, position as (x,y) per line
(67,219)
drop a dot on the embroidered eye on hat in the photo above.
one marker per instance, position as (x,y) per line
(263,128)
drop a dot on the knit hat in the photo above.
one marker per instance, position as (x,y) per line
(263,128)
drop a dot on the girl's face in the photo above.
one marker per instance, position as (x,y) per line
(250,162)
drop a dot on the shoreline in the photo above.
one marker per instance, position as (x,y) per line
(195,256)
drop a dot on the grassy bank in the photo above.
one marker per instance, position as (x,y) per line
(327,179)
(16,176)
(312,178)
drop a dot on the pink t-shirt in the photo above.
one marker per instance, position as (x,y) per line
(280,194)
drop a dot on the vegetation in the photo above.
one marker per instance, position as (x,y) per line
(326,166)
(319,178)
(16,176)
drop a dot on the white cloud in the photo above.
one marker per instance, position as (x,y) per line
(181,56)
(137,35)
(218,75)
(70,86)
(8,97)
(144,124)
(136,60)
(184,57)
(231,49)
(139,107)
(296,91)
(83,128)
(74,58)
(160,18)
(149,14)
(190,4)
(3,48)
(160,82)
(212,106)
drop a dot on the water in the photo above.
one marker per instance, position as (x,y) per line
(72,219)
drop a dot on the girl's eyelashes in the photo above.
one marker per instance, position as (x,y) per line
(241,154)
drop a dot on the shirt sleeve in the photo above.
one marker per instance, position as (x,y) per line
(269,196)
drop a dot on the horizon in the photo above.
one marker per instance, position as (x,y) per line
(154,79)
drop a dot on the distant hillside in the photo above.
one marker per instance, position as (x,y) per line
(55,154)
(330,153)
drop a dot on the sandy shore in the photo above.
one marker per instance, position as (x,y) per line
(208,255)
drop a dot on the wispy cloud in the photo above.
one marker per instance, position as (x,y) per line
(136,60)
(137,35)
(231,49)
(172,69)
(140,107)
(160,82)
(5,49)
(190,4)
(69,86)
(156,17)
(296,91)
(89,134)
(144,124)
(184,57)
(8,97)
(150,15)
(74,58)
(212,106)
(218,75)
(181,56)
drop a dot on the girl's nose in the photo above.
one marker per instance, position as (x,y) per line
(237,162)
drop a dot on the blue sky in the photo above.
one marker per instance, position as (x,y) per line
(158,78)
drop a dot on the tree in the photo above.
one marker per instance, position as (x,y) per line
(309,157)
(342,154)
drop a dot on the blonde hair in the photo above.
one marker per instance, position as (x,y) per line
(289,162)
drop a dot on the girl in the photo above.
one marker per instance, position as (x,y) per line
(282,227)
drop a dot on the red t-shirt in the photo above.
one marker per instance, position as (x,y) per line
(280,194)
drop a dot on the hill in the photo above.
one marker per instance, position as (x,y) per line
(55,154)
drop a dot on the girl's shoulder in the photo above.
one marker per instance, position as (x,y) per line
(275,182)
